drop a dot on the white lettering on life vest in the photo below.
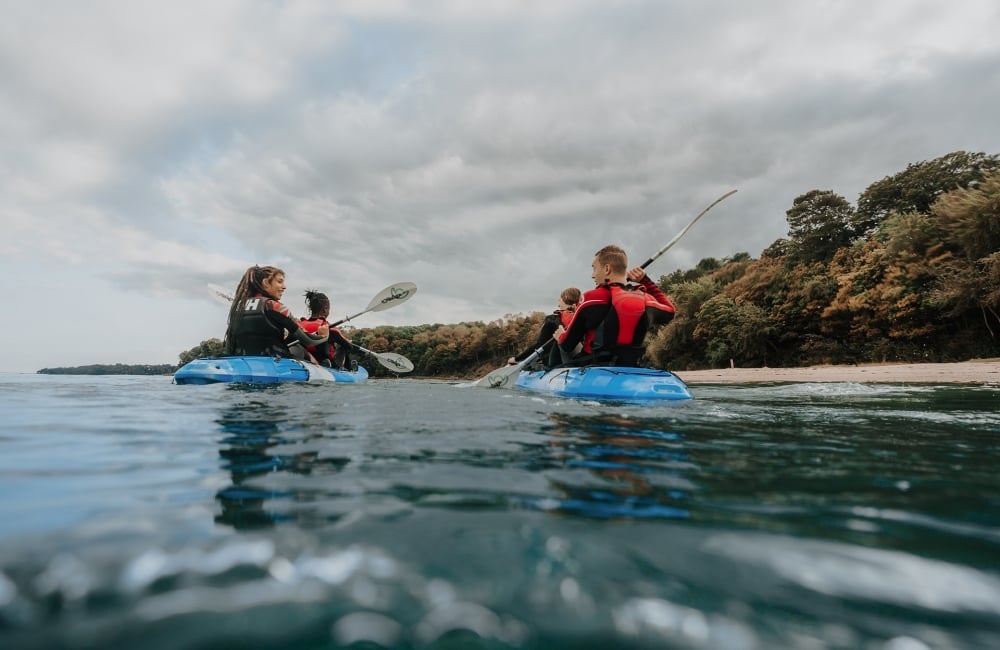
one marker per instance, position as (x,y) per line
(251,304)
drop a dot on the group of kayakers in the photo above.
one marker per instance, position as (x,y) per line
(604,326)
(260,325)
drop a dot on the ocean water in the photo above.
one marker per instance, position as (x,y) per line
(135,513)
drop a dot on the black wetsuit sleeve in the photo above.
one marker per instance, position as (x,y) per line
(305,338)
(662,311)
(589,315)
(549,326)
(337,338)
(295,332)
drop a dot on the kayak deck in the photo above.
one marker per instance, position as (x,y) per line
(262,370)
(608,383)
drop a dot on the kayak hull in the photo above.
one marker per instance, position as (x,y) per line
(607,383)
(262,370)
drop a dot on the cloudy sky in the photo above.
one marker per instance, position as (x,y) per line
(483,150)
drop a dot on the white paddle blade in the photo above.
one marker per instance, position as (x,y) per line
(394,362)
(220,294)
(392,296)
(501,378)
(506,376)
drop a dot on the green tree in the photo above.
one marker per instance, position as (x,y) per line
(917,187)
(674,346)
(968,273)
(207,348)
(733,331)
(819,224)
(777,250)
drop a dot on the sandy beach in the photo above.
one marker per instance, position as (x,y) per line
(979,371)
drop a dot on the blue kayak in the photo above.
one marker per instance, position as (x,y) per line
(262,370)
(607,383)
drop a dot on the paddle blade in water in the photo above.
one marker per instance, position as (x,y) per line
(394,362)
(501,378)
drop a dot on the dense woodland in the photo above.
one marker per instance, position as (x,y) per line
(909,273)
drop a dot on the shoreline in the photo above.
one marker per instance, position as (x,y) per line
(976,372)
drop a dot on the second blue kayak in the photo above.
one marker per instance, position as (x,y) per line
(607,383)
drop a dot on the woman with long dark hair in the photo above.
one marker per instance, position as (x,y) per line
(259,325)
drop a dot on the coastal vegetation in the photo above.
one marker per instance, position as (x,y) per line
(909,273)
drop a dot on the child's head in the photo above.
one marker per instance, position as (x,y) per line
(318,304)
(569,299)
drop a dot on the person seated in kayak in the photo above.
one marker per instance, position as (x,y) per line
(612,321)
(563,315)
(335,353)
(260,326)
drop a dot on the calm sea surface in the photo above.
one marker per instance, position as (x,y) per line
(139,514)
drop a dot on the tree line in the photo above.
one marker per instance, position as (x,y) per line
(112,369)
(910,272)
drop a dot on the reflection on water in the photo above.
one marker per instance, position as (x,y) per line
(603,466)
(252,429)
(640,468)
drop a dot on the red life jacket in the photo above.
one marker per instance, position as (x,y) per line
(630,308)
(623,331)
(612,321)
(311,326)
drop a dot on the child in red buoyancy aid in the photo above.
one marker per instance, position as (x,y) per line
(562,316)
(335,352)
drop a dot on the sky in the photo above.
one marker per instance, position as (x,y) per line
(483,150)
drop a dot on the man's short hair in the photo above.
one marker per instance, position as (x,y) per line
(613,256)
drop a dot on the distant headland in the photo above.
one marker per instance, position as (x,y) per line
(113,369)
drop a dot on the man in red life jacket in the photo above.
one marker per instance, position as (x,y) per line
(612,321)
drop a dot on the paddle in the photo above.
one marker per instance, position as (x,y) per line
(502,377)
(219,294)
(391,360)
(686,228)
(387,298)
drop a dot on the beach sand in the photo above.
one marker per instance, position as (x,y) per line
(979,371)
